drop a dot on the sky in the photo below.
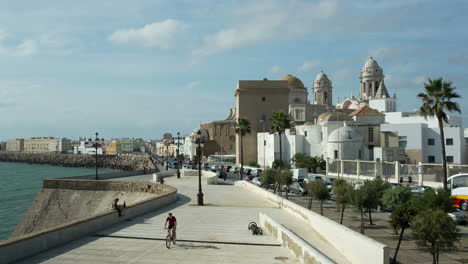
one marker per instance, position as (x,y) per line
(142,68)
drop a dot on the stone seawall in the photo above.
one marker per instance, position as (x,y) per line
(121,162)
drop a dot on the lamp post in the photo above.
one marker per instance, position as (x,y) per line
(199,142)
(177,142)
(96,144)
(167,154)
(264,143)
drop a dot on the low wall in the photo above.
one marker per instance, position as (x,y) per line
(354,246)
(33,243)
(300,248)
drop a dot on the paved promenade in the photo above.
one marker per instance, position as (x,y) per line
(214,233)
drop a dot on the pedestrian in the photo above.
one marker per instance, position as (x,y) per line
(410,180)
(224,175)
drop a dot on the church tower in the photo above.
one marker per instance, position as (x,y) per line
(322,90)
(373,89)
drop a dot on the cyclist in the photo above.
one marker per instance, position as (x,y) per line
(172,225)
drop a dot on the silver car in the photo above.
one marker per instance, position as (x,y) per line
(256,181)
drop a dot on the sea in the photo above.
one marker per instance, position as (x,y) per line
(19,185)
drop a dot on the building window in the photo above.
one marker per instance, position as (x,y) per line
(430,159)
(305,133)
(360,154)
(430,141)
(450,159)
(449,141)
(466,140)
(389,152)
(402,141)
(336,154)
(371,134)
(263,99)
(401,152)
(387,140)
(297,100)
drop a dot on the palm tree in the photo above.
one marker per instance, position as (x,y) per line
(437,99)
(279,122)
(242,128)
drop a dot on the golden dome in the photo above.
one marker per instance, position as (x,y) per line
(293,81)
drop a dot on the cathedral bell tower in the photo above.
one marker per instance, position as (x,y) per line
(322,90)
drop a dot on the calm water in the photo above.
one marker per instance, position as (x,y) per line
(19,185)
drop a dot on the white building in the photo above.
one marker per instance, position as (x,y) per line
(86,148)
(421,137)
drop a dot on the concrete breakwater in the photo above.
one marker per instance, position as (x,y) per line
(121,162)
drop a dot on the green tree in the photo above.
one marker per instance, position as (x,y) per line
(279,122)
(242,128)
(320,192)
(370,199)
(392,197)
(437,100)
(267,177)
(434,200)
(314,162)
(300,160)
(310,194)
(401,218)
(358,198)
(342,191)
(284,178)
(435,231)
(253,164)
(277,164)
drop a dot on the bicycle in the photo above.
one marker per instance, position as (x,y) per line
(170,237)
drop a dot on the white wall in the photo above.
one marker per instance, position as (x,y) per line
(403,118)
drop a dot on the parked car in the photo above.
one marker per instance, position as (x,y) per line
(187,167)
(329,182)
(358,184)
(298,187)
(457,216)
(395,185)
(311,178)
(256,172)
(227,169)
(173,165)
(247,171)
(246,178)
(236,170)
(256,181)
(418,190)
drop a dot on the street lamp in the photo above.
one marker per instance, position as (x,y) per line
(96,144)
(199,142)
(177,142)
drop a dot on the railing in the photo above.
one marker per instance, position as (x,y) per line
(430,174)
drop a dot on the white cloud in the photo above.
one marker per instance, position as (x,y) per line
(308,66)
(265,21)
(193,84)
(26,48)
(276,69)
(160,34)
(419,80)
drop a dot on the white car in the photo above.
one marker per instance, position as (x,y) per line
(256,181)
(312,178)
(358,184)
(256,172)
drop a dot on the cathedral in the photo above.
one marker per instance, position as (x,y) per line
(257,100)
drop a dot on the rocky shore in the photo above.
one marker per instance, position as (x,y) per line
(121,162)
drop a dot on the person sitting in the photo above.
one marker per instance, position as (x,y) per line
(118,207)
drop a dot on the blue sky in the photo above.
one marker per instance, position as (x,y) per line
(142,68)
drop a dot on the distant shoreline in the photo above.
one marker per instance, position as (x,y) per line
(121,162)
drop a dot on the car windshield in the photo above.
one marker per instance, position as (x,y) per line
(295,185)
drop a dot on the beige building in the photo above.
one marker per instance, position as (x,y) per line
(220,136)
(16,145)
(47,145)
(257,101)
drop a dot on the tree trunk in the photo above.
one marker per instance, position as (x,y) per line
(275,188)
(321,207)
(434,258)
(280,151)
(398,245)
(437,257)
(242,157)
(310,203)
(362,221)
(286,192)
(444,157)
(342,213)
(370,216)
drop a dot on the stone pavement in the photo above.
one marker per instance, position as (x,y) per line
(214,233)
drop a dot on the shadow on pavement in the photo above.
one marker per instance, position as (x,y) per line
(192,246)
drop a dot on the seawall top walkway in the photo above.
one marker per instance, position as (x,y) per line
(214,233)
